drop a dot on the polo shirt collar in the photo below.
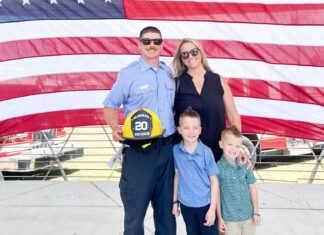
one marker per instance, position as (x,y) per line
(145,66)
(198,150)
(226,163)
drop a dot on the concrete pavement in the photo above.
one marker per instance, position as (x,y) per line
(82,208)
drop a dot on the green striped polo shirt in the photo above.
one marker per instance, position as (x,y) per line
(234,183)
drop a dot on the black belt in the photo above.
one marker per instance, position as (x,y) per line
(147,145)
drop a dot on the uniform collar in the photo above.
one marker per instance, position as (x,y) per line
(145,66)
(226,163)
(198,150)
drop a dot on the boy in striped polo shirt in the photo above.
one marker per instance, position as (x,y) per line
(239,197)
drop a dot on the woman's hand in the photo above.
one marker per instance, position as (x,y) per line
(244,158)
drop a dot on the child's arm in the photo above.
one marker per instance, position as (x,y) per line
(211,213)
(175,207)
(221,222)
(254,198)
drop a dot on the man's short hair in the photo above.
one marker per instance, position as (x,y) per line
(189,112)
(150,29)
(231,130)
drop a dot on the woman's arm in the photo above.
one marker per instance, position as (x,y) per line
(230,108)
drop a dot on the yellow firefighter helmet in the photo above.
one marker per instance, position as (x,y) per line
(142,124)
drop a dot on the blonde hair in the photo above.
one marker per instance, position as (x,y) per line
(231,130)
(177,64)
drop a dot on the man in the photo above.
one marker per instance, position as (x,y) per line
(147,176)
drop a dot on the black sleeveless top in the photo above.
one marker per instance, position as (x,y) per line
(209,104)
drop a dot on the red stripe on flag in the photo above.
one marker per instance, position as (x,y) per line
(273,54)
(283,127)
(56,83)
(67,46)
(40,121)
(276,91)
(104,81)
(284,14)
(86,117)
(269,53)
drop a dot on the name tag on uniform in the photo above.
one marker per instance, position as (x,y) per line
(144,87)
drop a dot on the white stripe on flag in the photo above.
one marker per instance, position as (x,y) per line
(280,109)
(298,75)
(58,101)
(63,64)
(93,99)
(252,33)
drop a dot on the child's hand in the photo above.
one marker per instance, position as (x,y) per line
(221,225)
(257,219)
(210,217)
(176,209)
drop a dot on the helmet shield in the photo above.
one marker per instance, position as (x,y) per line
(142,124)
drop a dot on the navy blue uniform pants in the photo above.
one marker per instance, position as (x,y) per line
(148,177)
(194,218)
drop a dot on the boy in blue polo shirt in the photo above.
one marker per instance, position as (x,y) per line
(239,197)
(196,189)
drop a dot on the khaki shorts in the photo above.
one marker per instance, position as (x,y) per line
(246,227)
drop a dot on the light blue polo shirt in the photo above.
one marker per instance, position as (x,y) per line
(140,86)
(194,171)
(234,187)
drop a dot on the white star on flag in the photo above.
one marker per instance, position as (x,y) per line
(0,3)
(108,1)
(24,2)
(53,2)
(81,2)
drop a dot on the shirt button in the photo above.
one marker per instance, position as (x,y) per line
(233,177)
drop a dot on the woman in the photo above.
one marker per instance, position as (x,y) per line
(205,91)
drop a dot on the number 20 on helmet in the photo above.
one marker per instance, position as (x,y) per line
(142,124)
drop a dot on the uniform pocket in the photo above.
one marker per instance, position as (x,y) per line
(170,90)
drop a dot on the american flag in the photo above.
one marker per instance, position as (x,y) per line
(60,58)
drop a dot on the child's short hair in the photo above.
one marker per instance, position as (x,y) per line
(189,112)
(231,130)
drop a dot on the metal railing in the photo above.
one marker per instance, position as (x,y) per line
(84,152)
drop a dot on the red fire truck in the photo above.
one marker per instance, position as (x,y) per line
(269,146)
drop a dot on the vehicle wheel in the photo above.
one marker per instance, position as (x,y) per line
(254,139)
(248,148)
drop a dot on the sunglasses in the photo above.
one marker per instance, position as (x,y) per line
(185,55)
(148,41)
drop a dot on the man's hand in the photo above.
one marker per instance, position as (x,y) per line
(117,134)
(210,217)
